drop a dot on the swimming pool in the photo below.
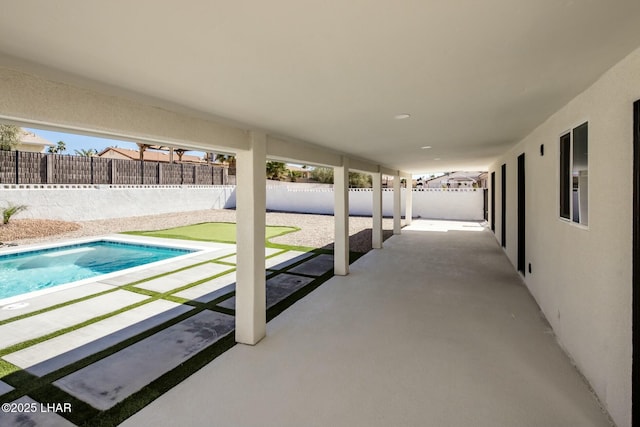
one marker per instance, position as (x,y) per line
(25,272)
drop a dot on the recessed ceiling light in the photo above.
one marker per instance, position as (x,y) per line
(402,116)
(426,147)
(437,158)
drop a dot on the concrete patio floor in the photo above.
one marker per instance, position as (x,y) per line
(436,329)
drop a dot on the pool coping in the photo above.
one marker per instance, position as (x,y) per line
(199,248)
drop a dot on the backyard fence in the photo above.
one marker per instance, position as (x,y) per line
(434,203)
(80,202)
(20,167)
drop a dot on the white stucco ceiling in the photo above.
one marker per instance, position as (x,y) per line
(476,76)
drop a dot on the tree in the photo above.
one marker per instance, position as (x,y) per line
(59,148)
(293,175)
(276,170)
(356,179)
(9,137)
(360,180)
(86,152)
(226,158)
(322,175)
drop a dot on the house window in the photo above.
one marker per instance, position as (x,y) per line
(574,175)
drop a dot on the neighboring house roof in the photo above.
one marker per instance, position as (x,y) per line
(456,176)
(149,155)
(32,142)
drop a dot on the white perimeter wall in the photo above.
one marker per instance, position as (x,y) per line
(83,203)
(582,278)
(436,204)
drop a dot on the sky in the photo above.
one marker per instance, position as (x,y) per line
(81,142)
(75,142)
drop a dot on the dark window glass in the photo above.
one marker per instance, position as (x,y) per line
(503,207)
(565,176)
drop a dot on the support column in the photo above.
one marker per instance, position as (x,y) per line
(341,218)
(408,201)
(397,211)
(376,227)
(251,320)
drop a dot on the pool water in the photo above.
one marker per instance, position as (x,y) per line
(25,272)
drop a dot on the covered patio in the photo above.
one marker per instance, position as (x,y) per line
(435,324)
(436,329)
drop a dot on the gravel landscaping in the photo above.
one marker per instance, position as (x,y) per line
(315,230)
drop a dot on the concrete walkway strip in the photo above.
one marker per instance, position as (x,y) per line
(34,414)
(60,318)
(43,301)
(267,252)
(4,388)
(284,260)
(125,279)
(63,350)
(112,379)
(231,249)
(208,291)
(184,277)
(316,266)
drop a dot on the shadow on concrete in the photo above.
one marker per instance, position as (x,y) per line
(361,241)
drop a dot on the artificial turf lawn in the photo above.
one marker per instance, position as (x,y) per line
(210,231)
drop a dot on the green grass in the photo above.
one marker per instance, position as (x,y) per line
(210,232)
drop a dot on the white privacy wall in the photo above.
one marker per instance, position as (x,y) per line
(582,277)
(90,202)
(434,204)
(84,203)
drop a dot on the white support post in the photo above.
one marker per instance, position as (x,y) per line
(376,227)
(408,201)
(251,320)
(341,218)
(397,211)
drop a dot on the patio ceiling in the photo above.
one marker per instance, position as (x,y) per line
(476,77)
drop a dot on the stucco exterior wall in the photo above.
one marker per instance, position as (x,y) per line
(582,276)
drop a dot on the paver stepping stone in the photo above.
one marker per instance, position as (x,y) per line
(125,279)
(42,417)
(267,252)
(316,266)
(69,315)
(208,291)
(4,388)
(63,350)
(184,277)
(43,301)
(278,288)
(110,380)
(284,260)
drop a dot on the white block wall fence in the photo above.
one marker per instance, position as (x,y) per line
(91,202)
(434,203)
